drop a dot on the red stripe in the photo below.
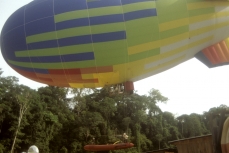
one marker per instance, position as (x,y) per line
(64,71)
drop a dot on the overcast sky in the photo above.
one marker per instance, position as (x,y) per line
(191,87)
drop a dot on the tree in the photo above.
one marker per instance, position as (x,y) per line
(23,101)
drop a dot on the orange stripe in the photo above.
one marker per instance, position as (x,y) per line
(225,50)
(220,53)
(214,54)
(209,56)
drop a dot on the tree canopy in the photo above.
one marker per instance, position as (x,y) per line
(63,120)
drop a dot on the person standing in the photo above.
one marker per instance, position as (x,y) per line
(125,137)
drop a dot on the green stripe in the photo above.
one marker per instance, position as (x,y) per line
(55,51)
(76,49)
(111,61)
(71,15)
(144,55)
(193,1)
(136,40)
(168,6)
(110,53)
(146,30)
(105,28)
(107,54)
(174,32)
(72,32)
(37,52)
(172,16)
(138,35)
(41,37)
(138,6)
(105,11)
(201,11)
(169,10)
(111,45)
(81,64)
(142,22)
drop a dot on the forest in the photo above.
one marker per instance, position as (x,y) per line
(63,120)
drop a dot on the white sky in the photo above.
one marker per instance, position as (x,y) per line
(191,87)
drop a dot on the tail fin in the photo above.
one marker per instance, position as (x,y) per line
(215,55)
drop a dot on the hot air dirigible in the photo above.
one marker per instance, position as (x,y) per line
(93,43)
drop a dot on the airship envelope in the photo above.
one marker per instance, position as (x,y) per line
(93,43)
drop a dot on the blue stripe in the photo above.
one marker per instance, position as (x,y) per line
(78,57)
(40,26)
(106,19)
(134,1)
(86,39)
(12,41)
(72,23)
(109,36)
(43,71)
(14,21)
(43,44)
(58,58)
(38,11)
(65,58)
(140,14)
(34,2)
(103,3)
(62,6)
(46,59)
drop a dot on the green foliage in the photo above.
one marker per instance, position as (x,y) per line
(63,150)
(2,148)
(59,123)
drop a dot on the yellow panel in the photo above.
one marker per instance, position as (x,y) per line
(104,78)
(89,76)
(144,47)
(109,77)
(121,69)
(198,5)
(221,3)
(227,42)
(76,85)
(202,30)
(173,24)
(85,85)
(200,18)
(222,14)
(223,24)
(174,39)
(175,60)
(178,50)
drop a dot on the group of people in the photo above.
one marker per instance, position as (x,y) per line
(124,139)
